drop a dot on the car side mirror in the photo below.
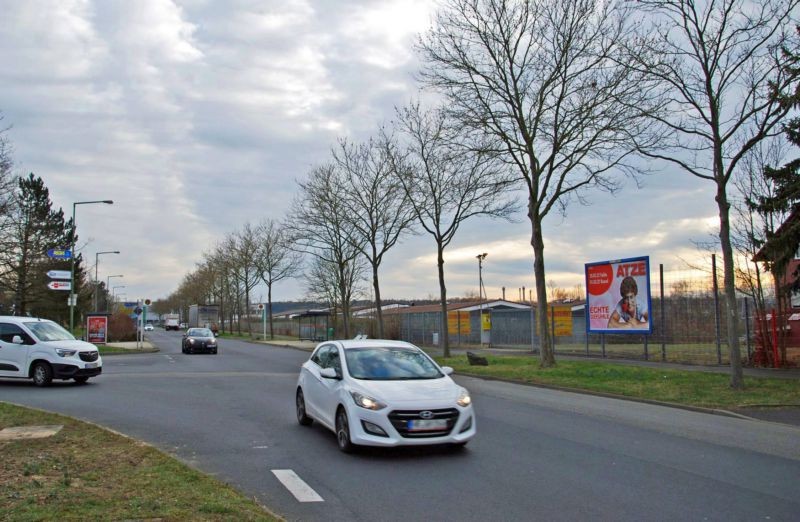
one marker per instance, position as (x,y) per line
(329,373)
(17,340)
(447,370)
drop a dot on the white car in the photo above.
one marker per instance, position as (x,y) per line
(41,350)
(382,393)
(148,327)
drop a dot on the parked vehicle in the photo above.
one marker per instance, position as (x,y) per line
(148,327)
(382,393)
(199,340)
(39,349)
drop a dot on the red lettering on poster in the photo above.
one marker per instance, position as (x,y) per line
(599,279)
(632,269)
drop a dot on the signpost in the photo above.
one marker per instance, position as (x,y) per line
(60,253)
(58,274)
(59,285)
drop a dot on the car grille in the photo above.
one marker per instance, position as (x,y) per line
(88,356)
(400,418)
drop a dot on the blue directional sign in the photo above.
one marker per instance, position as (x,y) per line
(59,253)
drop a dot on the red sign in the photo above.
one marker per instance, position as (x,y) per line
(59,285)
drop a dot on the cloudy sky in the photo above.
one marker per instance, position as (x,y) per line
(197,116)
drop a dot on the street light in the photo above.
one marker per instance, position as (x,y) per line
(114,294)
(97,281)
(480,258)
(73,297)
(107,287)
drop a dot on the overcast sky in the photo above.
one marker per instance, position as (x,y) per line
(197,116)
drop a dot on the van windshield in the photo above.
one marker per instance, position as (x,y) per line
(48,331)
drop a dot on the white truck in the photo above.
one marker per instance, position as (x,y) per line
(172,322)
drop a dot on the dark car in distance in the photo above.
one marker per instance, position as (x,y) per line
(199,340)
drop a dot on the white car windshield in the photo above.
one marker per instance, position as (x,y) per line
(48,331)
(390,364)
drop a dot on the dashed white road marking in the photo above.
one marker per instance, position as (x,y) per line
(170,358)
(301,491)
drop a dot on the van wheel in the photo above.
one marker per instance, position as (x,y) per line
(42,374)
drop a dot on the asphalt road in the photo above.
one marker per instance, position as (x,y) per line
(539,454)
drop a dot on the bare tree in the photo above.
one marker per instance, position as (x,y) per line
(719,61)
(319,224)
(543,80)
(379,210)
(241,250)
(446,183)
(275,260)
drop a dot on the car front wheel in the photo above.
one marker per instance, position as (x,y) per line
(42,374)
(300,402)
(343,432)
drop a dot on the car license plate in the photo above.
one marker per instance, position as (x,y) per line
(426,424)
(91,365)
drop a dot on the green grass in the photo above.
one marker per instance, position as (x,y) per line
(693,388)
(88,473)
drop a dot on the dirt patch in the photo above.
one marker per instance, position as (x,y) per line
(29,432)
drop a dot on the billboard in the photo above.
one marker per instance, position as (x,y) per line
(618,296)
(458,323)
(97,329)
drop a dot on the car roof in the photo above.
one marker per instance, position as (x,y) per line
(372,343)
(21,318)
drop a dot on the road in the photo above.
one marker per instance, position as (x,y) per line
(539,454)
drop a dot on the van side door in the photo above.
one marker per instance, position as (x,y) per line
(14,356)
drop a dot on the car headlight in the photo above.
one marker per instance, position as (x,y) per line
(191,341)
(64,352)
(367,402)
(212,341)
(463,398)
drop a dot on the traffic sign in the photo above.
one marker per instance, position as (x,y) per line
(59,285)
(59,274)
(59,253)
(260,306)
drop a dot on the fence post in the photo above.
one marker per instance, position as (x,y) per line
(716,306)
(553,327)
(603,344)
(586,329)
(663,314)
(646,355)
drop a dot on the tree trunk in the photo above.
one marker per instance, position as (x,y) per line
(732,316)
(247,309)
(269,311)
(345,304)
(444,341)
(376,287)
(537,242)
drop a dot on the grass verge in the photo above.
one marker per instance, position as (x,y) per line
(87,473)
(692,388)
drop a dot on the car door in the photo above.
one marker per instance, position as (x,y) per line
(329,398)
(313,389)
(14,357)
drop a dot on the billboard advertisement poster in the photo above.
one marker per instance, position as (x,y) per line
(97,329)
(458,323)
(618,296)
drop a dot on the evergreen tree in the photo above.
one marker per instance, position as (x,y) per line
(34,228)
(781,247)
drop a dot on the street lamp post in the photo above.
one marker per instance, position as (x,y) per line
(108,279)
(96,280)
(73,297)
(114,294)
(480,258)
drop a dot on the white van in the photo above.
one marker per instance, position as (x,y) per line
(41,350)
